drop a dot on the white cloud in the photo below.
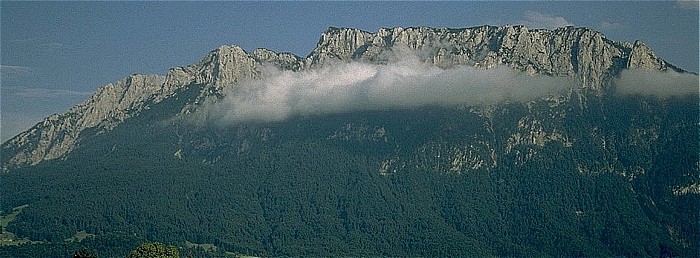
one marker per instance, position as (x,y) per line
(344,87)
(656,83)
(39,43)
(605,25)
(15,70)
(538,20)
(688,5)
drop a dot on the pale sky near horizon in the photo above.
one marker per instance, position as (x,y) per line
(54,55)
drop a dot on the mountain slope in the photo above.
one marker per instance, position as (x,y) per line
(385,182)
(575,52)
(584,171)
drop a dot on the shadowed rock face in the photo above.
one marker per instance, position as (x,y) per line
(579,53)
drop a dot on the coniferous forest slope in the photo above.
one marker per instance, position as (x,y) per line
(592,169)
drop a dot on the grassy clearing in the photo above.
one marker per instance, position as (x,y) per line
(79,236)
(206,247)
(9,238)
(5,220)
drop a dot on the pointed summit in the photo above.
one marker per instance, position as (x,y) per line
(641,56)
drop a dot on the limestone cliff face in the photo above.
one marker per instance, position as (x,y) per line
(57,134)
(581,53)
(641,56)
(115,102)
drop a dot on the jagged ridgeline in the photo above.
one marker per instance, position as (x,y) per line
(551,142)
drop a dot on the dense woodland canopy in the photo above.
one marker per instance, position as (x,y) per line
(317,185)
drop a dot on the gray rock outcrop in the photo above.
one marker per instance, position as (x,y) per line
(581,53)
(58,134)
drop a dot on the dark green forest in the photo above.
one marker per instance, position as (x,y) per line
(433,181)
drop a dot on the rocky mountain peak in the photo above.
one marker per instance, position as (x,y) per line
(286,61)
(641,56)
(58,134)
(225,66)
(580,53)
(338,43)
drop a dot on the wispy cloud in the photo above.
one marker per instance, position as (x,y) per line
(346,87)
(48,93)
(39,44)
(538,20)
(15,70)
(661,84)
(606,25)
(688,5)
(51,46)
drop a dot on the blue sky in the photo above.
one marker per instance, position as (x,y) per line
(53,55)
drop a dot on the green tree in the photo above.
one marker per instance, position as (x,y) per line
(155,250)
(84,253)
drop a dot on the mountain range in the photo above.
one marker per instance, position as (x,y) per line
(491,140)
